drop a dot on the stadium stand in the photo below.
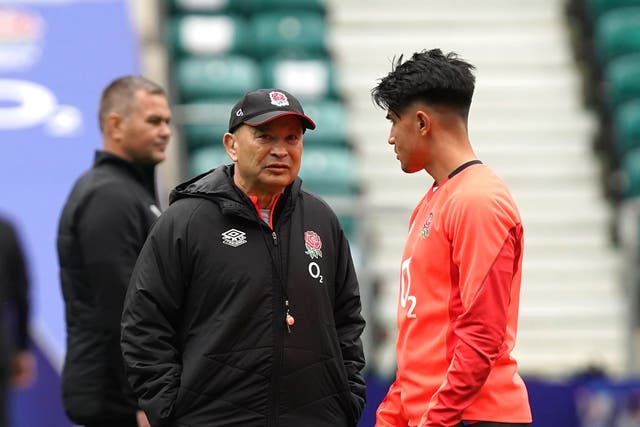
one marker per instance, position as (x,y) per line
(528,123)
(220,50)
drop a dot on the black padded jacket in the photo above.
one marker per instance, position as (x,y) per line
(103,226)
(204,336)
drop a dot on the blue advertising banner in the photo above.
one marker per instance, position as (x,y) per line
(55,58)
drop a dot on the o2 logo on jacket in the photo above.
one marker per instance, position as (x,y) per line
(313,243)
(405,290)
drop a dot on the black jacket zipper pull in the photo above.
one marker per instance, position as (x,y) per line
(289,320)
(275,238)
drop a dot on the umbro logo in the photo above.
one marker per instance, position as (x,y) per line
(233,237)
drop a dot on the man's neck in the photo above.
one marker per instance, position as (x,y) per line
(263,200)
(451,154)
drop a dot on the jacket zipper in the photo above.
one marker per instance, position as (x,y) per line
(279,337)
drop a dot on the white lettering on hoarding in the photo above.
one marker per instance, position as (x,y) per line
(25,104)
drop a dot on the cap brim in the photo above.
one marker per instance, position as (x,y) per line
(272,115)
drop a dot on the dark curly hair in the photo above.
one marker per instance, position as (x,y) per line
(430,77)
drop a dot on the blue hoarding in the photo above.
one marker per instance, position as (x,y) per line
(55,58)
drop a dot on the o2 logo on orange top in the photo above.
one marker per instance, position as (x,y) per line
(405,290)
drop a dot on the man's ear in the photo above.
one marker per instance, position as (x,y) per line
(423,122)
(230,143)
(113,126)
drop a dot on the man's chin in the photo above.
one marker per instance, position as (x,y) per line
(279,182)
(158,157)
(151,160)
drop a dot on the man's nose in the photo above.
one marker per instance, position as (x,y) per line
(165,130)
(279,148)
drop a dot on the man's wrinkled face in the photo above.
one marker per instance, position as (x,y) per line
(267,157)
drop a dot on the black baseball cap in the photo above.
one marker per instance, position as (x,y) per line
(263,105)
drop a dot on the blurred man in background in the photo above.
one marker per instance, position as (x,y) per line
(462,263)
(103,226)
(244,307)
(17,367)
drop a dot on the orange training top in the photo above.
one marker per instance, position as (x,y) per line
(458,308)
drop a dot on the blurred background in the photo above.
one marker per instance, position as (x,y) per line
(556,114)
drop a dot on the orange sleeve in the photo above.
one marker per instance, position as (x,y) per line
(389,413)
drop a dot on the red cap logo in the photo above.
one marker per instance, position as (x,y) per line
(278,99)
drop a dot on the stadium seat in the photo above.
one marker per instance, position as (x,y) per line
(617,32)
(195,35)
(329,171)
(308,79)
(622,80)
(326,172)
(209,6)
(290,34)
(627,127)
(204,123)
(200,135)
(330,118)
(244,6)
(215,77)
(631,174)
(207,158)
(190,6)
(596,8)
(286,5)
(349,224)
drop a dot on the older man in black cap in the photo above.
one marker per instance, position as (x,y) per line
(244,307)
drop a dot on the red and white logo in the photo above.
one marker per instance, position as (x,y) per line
(313,244)
(278,99)
(21,38)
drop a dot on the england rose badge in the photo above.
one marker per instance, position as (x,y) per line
(313,244)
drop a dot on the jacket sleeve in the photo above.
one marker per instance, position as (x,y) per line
(18,286)
(150,323)
(486,248)
(350,324)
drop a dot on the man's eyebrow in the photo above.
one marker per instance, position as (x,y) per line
(260,128)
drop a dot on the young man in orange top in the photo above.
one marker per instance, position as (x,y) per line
(461,266)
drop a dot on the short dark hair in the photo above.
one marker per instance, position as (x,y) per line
(118,95)
(430,77)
